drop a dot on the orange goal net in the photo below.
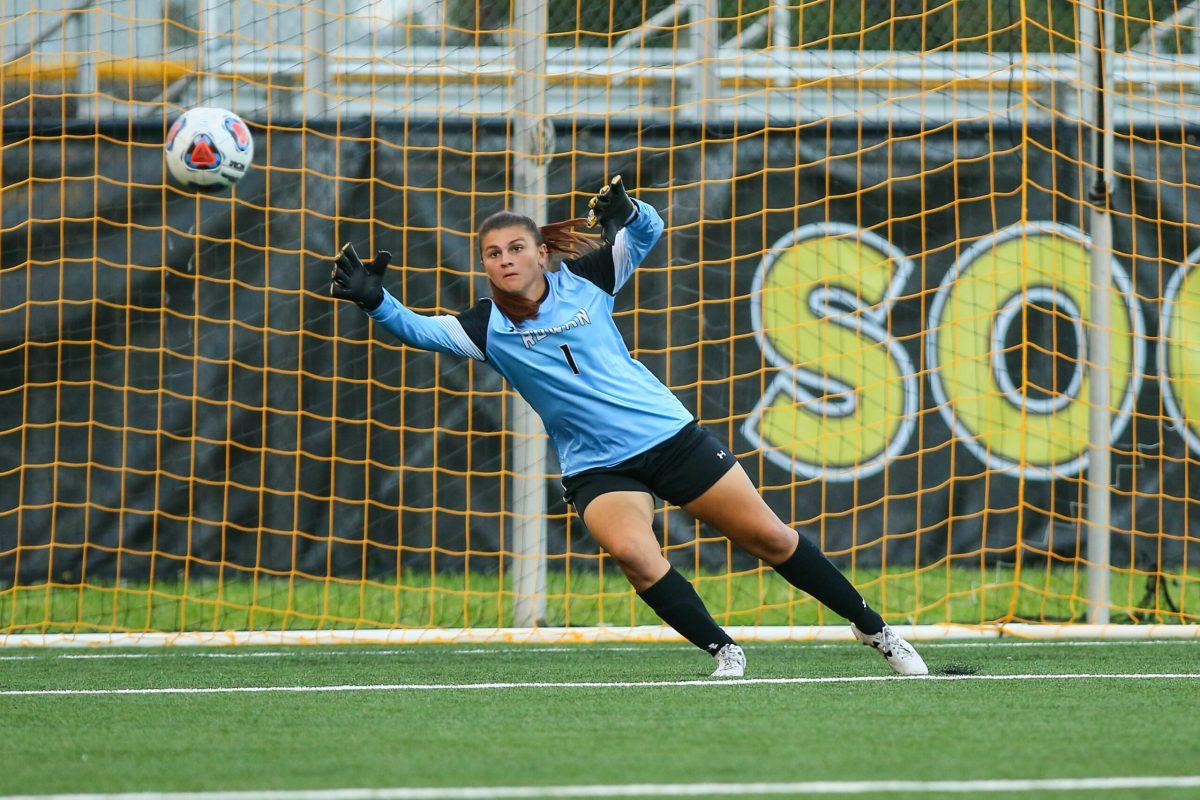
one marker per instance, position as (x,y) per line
(878,284)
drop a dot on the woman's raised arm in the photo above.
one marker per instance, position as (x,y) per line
(631,228)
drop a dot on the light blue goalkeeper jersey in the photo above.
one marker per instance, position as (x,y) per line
(599,406)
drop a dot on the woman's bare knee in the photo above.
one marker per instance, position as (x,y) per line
(778,545)
(644,572)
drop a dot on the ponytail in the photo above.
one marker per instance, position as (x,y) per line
(562,239)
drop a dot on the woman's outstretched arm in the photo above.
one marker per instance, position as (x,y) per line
(363,283)
(444,333)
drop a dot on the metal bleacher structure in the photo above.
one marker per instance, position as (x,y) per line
(402,57)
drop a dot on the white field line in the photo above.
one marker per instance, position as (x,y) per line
(587,635)
(566,649)
(708,683)
(663,790)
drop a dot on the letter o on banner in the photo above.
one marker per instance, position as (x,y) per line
(1179,350)
(1022,405)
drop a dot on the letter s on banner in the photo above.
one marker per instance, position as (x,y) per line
(1016,425)
(845,398)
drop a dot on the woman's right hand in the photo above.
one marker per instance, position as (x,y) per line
(351,279)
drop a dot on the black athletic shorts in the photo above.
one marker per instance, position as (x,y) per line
(678,470)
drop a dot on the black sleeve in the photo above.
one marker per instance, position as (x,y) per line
(475,322)
(597,266)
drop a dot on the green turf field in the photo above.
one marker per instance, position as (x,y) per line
(393,729)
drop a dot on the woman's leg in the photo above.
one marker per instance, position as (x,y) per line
(733,506)
(622,524)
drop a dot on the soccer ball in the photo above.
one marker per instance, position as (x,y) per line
(208,149)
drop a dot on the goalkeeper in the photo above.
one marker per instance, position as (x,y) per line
(622,437)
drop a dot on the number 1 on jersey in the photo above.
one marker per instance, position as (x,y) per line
(570,358)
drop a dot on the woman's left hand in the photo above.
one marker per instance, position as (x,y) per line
(612,208)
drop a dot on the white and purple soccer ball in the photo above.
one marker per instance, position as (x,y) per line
(208,149)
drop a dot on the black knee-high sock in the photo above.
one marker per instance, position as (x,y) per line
(809,570)
(674,599)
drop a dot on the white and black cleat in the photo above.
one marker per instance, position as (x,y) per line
(731,662)
(901,656)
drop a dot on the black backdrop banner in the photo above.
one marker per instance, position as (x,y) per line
(179,391)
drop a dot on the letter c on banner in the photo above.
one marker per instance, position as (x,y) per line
(1017,402)
(845,398)
(1179,350)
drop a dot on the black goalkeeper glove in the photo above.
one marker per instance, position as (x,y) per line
(612,208)
(354,280)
